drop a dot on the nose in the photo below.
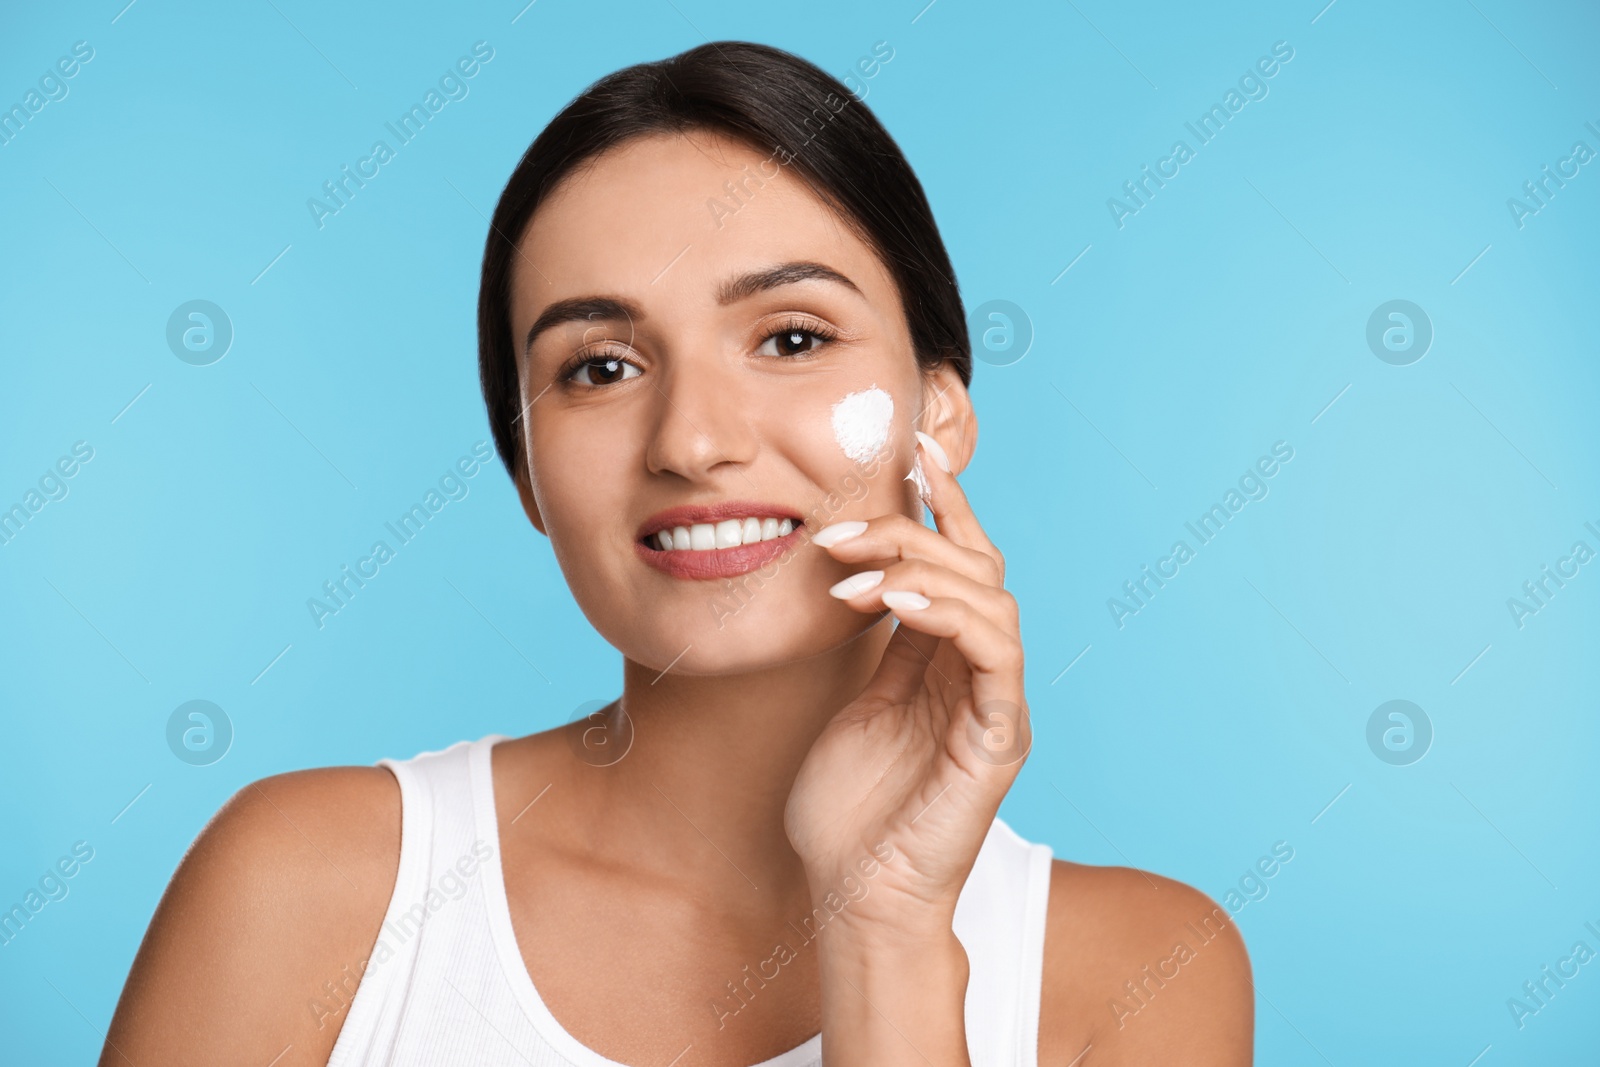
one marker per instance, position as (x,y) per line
(700,422)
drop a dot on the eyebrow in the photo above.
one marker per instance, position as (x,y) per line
(614,309)
(747,285)
(582,309)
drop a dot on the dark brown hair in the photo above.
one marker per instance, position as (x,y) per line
(767,98)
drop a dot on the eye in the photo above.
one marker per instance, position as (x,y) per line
(794,340)
(596,371)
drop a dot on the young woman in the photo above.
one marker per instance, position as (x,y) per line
(725,362)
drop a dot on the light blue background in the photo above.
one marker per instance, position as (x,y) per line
(1226,315)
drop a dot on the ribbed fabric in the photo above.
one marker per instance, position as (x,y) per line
(446,983)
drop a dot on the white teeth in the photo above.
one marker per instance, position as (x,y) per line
(729,533)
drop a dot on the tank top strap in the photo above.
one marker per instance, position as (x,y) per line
(438,799)
(441,849)
(1000,921)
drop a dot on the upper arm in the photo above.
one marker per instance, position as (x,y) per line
(283,891)
(1144,969)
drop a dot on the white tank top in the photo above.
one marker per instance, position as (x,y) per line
(446,982)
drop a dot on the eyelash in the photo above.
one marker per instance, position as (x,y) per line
(815,329)
(797,324)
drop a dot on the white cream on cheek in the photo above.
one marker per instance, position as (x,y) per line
(861,422)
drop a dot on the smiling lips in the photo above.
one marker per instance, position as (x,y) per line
(718,540)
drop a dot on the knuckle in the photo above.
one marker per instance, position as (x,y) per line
(910,572)
(994,566)
(983,566)
(890,524)
(1009,605)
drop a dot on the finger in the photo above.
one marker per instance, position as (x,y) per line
(952,512)
(993,731)
(989,645)
(991,726)
(897,536)
(910,653)
(865,591)
(997,732)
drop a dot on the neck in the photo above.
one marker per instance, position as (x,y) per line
(712,762)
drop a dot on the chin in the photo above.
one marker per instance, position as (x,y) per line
(756,637)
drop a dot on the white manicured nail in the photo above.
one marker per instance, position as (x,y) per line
(934,449)
(829,536)
(856,584)
(904,600)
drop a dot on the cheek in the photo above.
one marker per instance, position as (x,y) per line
(577,488)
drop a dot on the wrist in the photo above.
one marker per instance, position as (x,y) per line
(887,966)
(891,996)
(886,934)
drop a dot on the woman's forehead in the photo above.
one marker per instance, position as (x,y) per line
(679,214)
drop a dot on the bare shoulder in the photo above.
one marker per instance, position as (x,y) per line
(281,894)
(1144,969)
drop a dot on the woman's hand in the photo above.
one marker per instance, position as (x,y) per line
(893,801)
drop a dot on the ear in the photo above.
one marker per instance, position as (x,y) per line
(947,415)
(525,493)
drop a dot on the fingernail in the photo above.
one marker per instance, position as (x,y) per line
(829,536)
(934,449)
(904,600)
(856,584)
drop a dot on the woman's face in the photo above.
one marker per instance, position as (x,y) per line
(697,318)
